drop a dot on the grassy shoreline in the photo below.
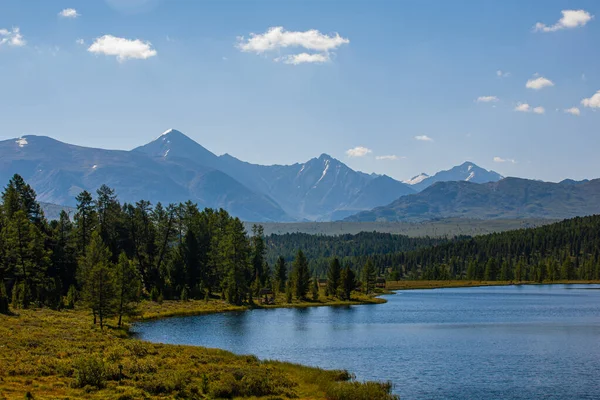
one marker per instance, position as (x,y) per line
(413,285)
(50,354)
(172,308)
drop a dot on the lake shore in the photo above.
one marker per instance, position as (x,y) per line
(150,310)
(413,285)
(61,354)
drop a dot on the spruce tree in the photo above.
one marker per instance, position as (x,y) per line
(97,276)
(369,277)
(27,257)
(315,289)
(128,286)
(348,283)
(280,274)
(333,276)
(85,220)
(301,275)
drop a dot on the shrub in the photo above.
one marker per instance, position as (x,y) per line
(71,297)
(90,371)
(360,391)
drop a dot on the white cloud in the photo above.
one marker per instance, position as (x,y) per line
(80,41)
(122,48)
(69,13)
(570,19)
(358,151)
(487,99)
(390,157)
(502,74)
(538,83)
(592,102)
(303,58)
(277,39)
(424,138)
(504,160)
(573,111)
(523,107)
(12,37)
(539,110)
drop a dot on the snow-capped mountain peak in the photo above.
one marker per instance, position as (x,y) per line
(416,179)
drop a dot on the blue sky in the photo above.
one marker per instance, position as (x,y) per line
(398,70)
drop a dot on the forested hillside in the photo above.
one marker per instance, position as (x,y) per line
(566,250)
(320,248)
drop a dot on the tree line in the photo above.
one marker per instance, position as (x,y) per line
(110,255)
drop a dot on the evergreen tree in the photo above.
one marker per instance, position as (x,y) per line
(490,270)
(85,220)
(280,274)
(27,258)
(315,289)
(333,276)
(98,280)
(348,283)
(258,253)
(566,271)
(128,286)
(369,277)
(19,196)
(4,301)
(301,275)
(64,251)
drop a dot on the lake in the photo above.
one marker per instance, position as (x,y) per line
(509,342)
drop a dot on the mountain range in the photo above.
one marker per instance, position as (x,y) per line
(174,168)
(507,198)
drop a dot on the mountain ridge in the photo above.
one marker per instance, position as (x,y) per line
(507,198)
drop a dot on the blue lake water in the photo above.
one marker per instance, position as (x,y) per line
(512,342)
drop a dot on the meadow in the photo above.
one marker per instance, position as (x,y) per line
(46,354)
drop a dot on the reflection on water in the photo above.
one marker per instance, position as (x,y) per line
(519,342)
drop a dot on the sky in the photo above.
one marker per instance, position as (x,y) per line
(392,87)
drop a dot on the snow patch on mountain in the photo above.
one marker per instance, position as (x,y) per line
(416,179)
(22,142)
(324,173)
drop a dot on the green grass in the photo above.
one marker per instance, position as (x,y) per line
(60,354)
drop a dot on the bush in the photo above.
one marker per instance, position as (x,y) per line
(184,294)
(154,293)
(71,297)
(360,391)
(90,371)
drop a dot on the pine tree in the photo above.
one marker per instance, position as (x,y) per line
(258,253)
(369,277)
(19,196)
(280,274)
(566,271)
(333,276)
(4,301)
(348,283)
(128,287)
(85,220)
(98,280)
(301,275)
(27,257)
(490,270)
(315,289)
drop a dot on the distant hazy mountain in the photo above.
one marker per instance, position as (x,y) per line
(321,189)
(467,171)
(59,171)
(508,198)
(174,168)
